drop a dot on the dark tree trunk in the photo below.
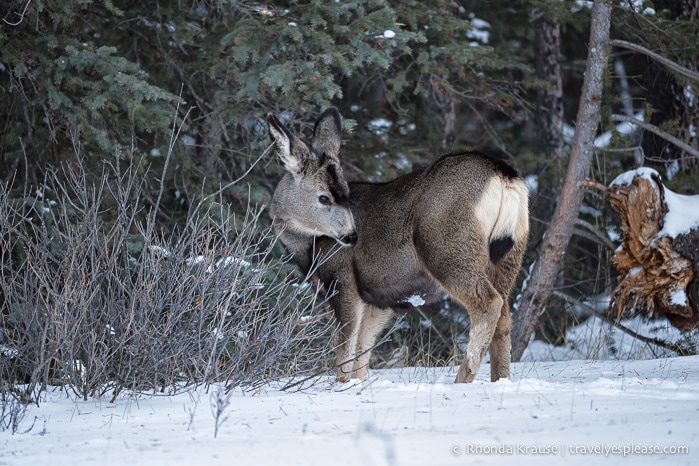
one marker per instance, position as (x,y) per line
(545,271)
(549,111)
(549,121)
(670,98)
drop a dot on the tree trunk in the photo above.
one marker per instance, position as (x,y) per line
(549,111)
(545,271)
(672,99)
(549,122)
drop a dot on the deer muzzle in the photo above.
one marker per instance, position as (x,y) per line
(348,240)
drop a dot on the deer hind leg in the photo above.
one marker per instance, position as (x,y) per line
(374,320)
(471,287)
(503,275)
(484,305)
(500,346)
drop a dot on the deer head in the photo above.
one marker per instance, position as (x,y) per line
(312,198)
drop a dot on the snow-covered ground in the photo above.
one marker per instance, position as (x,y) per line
(609,412)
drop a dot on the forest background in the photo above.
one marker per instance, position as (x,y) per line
(133,164)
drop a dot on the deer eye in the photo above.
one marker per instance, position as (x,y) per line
(325,200)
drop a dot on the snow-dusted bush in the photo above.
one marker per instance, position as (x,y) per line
(97,299)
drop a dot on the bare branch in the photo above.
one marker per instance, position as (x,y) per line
(232,183)
(665,61)
(594,234)
(21,16)
(171,146)
(658,132)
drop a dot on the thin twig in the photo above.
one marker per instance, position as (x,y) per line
(596,234)
(232,183)
(299,383)
(170,148)
(21,16)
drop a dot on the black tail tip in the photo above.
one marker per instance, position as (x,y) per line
(499,247)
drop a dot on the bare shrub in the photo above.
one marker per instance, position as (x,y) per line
(12,409)
(97,298)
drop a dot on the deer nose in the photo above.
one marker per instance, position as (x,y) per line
(350,239)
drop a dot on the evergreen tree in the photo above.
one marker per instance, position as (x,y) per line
(107,75)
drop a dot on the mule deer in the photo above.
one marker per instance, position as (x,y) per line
(458,226)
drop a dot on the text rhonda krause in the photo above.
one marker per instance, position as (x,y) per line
(601,449)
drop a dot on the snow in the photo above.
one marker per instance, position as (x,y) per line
(415,300)
(388,34)
(682,214)
(610,411)
(188,141)
(8,352)
(159,250)
(627,177)
(479,31)
(604,411)
(232,260)
(532,182)
(638,6)
(380,126)
(624,129)
(678,297)
(596,339)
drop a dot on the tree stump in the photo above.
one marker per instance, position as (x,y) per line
(658,260)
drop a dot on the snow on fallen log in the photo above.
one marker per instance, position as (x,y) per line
(658,260)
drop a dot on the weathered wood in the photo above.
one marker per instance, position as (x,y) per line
(657,274)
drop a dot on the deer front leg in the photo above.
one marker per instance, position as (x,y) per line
(373,322)
(349,315)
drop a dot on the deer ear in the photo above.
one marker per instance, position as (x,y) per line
(327,133)
(293,153)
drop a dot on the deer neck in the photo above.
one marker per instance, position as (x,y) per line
(299,245)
